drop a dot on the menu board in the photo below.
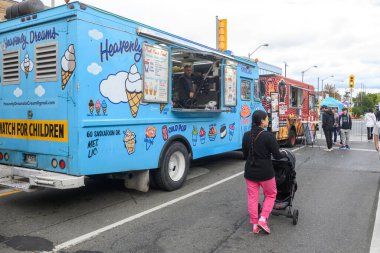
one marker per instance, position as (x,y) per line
(155,74)
(274,101)
(229,86)
(275,122)
(308,132)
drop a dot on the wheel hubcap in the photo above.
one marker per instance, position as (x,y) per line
(176,166)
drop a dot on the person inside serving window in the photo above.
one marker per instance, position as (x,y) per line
(186,86)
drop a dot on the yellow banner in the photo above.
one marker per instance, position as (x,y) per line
(42,130)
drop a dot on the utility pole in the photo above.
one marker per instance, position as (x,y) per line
(217,32)
(285,67)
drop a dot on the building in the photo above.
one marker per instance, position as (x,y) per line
(4,4)
(268,69)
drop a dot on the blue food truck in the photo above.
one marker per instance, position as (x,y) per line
(85,92)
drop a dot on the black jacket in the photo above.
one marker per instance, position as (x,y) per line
(328,119)
(345,121)
(259,165)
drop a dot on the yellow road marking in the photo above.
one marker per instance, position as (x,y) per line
(8,193)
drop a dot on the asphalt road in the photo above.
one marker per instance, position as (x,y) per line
(337,200)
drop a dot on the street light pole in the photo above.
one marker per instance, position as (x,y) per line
(286,65)
(263,45)
(323,91)
(303,72)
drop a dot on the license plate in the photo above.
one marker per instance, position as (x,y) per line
(30,159)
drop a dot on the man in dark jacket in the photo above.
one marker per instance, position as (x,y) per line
(327,126)
(345,124)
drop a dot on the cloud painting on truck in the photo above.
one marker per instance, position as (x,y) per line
(124,87)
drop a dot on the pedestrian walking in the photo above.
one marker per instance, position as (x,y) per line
(336,125)
(327,126)
(376,131)
(345,124)
(259,171)
(370,121)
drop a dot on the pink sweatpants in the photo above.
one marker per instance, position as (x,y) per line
(253,191)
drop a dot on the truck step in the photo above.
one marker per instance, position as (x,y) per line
(17,184)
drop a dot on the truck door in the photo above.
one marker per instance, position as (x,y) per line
(34,93)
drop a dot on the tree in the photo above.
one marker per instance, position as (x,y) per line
(364,101)
(332,92)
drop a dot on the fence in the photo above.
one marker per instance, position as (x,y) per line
(358,131)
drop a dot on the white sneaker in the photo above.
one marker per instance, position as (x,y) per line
(331,149)
(328,150)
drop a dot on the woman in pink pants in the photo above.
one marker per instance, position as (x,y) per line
(259,171)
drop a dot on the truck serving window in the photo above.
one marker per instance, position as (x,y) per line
(259,89)
(245,89)
(311,103)
(295,97)
(195,80)
(10,67)
(46,62)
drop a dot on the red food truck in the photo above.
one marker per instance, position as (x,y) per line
(292,107)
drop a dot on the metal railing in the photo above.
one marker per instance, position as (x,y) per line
(358,131)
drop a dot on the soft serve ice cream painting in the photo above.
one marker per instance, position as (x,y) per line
(67,65)
(123,87)
(133,88)
(27,65)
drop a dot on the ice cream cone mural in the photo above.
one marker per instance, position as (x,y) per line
(133,88)
(245,121)
(104,107)
(202,135)
(245,111)
(194,134)
(162,106)
(27,65)
(231,130)
(130,141)
(165,134)
(223,131)
(150,134)
(212,132)
(67,65)
(91,106)
(97,107)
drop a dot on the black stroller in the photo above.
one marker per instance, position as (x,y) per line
(286,186)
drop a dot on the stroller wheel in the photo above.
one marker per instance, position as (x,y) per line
(295,216)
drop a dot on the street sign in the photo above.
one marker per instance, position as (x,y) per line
(351,82)
(222,34)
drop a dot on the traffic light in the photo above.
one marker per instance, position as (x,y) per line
(222,34)
(351,82)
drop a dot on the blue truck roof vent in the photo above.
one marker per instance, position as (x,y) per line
(24,8)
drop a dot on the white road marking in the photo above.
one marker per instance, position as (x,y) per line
(95,233)
(353,149)
(296,149)
(88,236)
(375,242)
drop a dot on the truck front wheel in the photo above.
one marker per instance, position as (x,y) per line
(174,167)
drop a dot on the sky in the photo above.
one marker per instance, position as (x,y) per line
(341,37)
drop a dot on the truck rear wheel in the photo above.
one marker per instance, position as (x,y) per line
(291,139)
(174,167)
